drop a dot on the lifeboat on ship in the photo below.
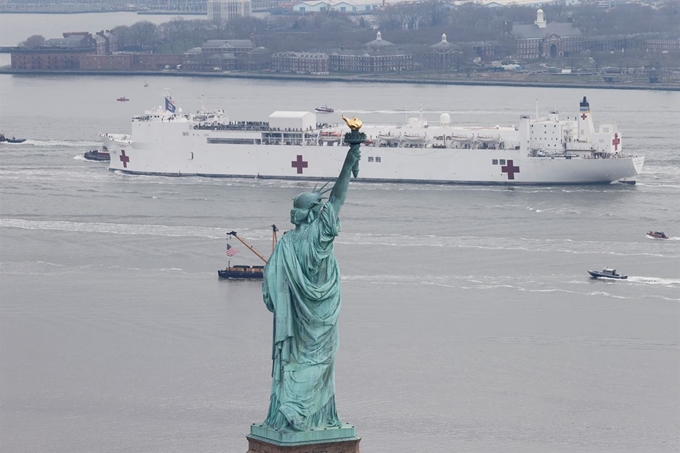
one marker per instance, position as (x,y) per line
(330,136)
(388,140)
(414,140)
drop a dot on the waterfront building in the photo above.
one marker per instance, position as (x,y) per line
(344,6)
(257,59)
(544,39)
(117,62)
(56,53)
(105,42)
(235,46)
(48,58)
(443,55)
(300,62)
(376,56)
(668,45)
(225,10)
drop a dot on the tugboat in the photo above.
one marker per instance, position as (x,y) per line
(99,155)
(657,234)
(239,271)
(607,273)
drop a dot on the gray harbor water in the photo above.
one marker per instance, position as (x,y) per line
(469,322)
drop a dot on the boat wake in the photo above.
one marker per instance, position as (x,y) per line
(505,283)
(500,243)
(655,280)
(115,228)
(61,143)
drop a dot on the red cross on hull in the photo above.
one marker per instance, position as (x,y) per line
(123,158)
(299,164)
(510,169)
(616,142)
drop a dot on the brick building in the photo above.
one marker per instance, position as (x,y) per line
(443,55)
(235,46)
(375,56)
(300,62)
(47,59)
(117,62)
(546,40)
(155,61)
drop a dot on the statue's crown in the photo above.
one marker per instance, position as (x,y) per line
(307,200)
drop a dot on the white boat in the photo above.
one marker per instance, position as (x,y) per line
(293,145)
(324,109)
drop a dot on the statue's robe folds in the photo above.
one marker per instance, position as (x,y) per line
(301,288)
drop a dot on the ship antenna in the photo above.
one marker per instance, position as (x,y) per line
(202,103)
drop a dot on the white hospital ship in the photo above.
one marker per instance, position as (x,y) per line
(293,145)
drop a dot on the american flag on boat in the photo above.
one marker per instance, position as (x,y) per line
(231,251)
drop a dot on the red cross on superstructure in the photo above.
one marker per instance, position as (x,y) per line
(584,116)
(616,142)
(299,164)
(510,170)
(123,158)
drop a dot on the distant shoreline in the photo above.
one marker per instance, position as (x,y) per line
(354,78)
(95,11)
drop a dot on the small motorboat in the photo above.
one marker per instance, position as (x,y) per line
(607,273)
(4,139)
(122,99)
(100,155)
(324,109)
(657,234)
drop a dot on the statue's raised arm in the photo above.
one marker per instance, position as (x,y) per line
(351,165)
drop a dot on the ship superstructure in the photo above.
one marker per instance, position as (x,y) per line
(294,145)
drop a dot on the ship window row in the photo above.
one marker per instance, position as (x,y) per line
(496,161)
(374,159)
(234,141)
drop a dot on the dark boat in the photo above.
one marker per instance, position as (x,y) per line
(239,271)
(11,140)
(122,99)
(100,155)
(607,273)
(324,109)
(657,234)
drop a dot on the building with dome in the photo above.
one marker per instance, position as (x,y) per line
(375,57)
(544,39)
(443,55)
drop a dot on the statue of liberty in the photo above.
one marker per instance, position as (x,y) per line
(301,288)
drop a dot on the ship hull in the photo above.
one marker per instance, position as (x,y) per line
(378,164)
(293,145)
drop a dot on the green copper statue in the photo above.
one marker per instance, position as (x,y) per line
(301,288)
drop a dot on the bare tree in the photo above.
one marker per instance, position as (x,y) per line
(33,42)
(144,34)
(437,11)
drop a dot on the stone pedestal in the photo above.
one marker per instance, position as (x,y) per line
(342,446)
(341,439)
